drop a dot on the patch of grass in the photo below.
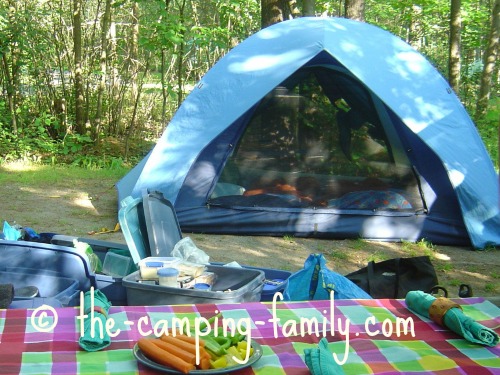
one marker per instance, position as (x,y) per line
(409,249)
(495,275)
(288,238)
(40,174)
(377,256)
(422,247)
(489,287)
(426,247)
(407,245)
(359,244)
(455,282)
(339,255)
(444,267)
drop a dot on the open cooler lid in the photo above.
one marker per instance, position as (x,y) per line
(162,225)
(133,225)
(46,259)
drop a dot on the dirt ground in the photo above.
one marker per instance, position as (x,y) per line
(80,207)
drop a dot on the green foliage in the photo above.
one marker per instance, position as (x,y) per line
(38,50)
(73,143)
(98,162)
(488,129)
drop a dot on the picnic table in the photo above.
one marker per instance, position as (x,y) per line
(367,337)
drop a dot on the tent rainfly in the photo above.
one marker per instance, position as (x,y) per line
(325,127)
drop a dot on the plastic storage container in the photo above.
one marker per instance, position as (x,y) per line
(242,285)
(275,280)
(33,303)
(117,265)
(110,285)
(150,266)
(60,273)
(64,290)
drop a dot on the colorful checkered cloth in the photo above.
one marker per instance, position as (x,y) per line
(372,332)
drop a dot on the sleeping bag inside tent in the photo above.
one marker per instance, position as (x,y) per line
(325,127)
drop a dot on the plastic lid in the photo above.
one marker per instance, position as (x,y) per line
(167,272)
(274,284)
(154,264)
(201,286)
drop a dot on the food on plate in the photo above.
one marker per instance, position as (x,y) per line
(183,353)
(161,356)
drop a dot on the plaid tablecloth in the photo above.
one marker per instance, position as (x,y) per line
(367,328)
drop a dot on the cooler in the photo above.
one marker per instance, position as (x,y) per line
(59,273)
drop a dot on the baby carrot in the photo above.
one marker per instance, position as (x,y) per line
(189,339)
(174,350)
(204,353)
(191,348)
(204,364)
(162,357)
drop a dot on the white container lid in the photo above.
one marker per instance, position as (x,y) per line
(167,272)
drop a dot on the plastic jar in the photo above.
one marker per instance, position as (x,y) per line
(168,276)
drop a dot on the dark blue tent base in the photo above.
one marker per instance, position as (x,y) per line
(323,224)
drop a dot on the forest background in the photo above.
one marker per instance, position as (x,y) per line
(94,82)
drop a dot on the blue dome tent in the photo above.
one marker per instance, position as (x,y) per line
(325,127)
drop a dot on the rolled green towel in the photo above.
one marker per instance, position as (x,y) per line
(99,312)
(453,318)
(320,360)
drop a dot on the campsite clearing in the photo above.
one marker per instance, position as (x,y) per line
(66,202)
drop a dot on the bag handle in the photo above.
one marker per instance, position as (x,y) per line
(398,275)
(313,286)
(370,276)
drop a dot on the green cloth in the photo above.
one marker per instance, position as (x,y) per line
(454,319)
(100,338)
(320,360)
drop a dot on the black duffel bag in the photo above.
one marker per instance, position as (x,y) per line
(393,278)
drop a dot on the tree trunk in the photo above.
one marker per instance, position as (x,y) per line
(309,8)
(10,94)
(103,62)
(78,74)
(164,83)
(134,51)
(274,11)
(454,60)
(355,10)
(180,60)
(489,61)
(115,103)
(11,70)
(134,74)
(415,28)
